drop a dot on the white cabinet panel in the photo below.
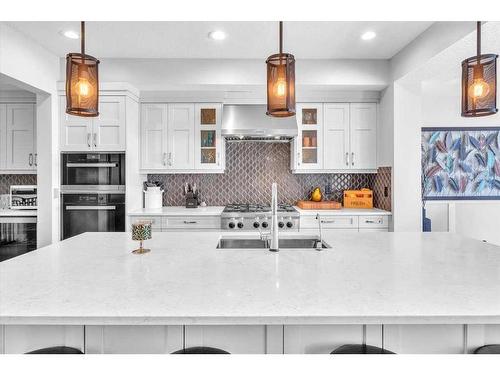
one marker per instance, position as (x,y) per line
(374,221)
(336,136)
(320,339)
(24,338)
(237,339)
(76,132)
(109,126)
(480,335)
(154,136)
(181,136)
(424,339)
(133,339)
(363,136)
(20,136)
(3,136)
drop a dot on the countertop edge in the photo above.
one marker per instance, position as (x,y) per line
(249,320)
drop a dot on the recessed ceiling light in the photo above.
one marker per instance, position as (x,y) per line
(70,34)
(369,35)
(217,35)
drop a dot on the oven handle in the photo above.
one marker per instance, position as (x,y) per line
(81,208)
(91,165)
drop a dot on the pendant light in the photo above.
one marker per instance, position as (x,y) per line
(280,82)
(479,83)
(82,82)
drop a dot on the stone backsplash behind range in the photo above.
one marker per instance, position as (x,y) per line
(15,179)
(251,168)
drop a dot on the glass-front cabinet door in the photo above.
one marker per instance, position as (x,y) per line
(309,142)
(209,146)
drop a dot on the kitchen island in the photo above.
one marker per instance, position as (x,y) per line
(407,292)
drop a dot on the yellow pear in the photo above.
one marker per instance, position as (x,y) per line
(316,195)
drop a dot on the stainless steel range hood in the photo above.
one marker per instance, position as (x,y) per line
(250,122)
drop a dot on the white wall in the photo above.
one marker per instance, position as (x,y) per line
(37,70)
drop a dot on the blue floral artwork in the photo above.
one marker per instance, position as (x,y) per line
(460,163)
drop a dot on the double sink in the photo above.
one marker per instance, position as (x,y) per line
(287,243)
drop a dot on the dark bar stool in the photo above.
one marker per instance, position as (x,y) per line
(360,349)
(201,350)
(56,350)
(488,349)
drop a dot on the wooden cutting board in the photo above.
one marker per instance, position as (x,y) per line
(325,205)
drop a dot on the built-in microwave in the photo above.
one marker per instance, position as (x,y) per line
(93,171)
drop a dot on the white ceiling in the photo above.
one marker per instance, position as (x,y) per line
(247,40)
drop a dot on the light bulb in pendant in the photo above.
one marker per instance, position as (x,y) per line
(479,89)
(280,88)
(83,87)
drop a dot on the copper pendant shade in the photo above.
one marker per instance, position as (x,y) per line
(82,82)
(479,83)
(281,82)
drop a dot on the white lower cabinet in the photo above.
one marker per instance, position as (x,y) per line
(166,223)
(344,223)
(480,334)
(19,339)
(425,338)
(320,339)
(133,339)
(237,339)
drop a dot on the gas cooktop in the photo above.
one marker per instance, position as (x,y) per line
(256,208)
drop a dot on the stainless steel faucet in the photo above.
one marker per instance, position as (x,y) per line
(274,245)
(319,244)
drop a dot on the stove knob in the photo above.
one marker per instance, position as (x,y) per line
(231,225)
(281,224)
(265,224)
(256,224)
(289,224)
(240,225)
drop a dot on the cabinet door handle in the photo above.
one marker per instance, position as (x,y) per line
(88,139)
(165,158)
(30,160)
(170,159)
(218,158)
(95,139)
(190,222)
(347,158)
(352,158)
(298,158)
(36,159)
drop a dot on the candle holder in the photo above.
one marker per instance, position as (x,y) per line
(141,231)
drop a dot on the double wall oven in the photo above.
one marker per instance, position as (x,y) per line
(92,193)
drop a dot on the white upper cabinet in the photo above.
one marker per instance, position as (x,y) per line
(335,137)
(180,136)
(208,139)
(154,136)
(308,146)
(363,136)
(109,126)
(105,132)
(17,137)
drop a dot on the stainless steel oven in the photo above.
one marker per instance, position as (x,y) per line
(93,171)
(17,236)
(92,213)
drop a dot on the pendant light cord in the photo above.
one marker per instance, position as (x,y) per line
(82,36)
(281,37)
(478,40)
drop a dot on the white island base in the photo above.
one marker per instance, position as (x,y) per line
(405,292)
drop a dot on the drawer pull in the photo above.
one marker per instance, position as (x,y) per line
(190,222)
(369,221)
(327,221)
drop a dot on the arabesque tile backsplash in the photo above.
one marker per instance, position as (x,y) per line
(251,168)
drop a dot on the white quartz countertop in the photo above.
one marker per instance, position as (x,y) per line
(9,212)
(178,211)
(344,211)
(379,278)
